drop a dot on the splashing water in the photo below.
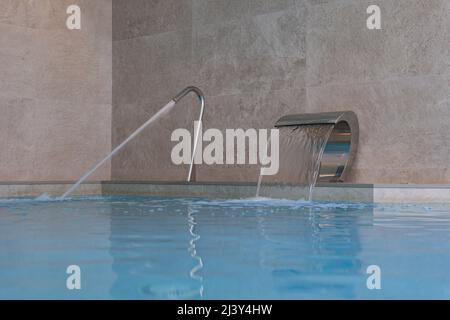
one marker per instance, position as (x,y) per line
(43,197)
(301,149)
(155,117)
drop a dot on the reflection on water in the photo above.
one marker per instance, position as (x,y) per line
(296,253)
(257,249)
(153,245)
(160,248)
(193,251)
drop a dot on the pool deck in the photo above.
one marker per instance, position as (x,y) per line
(366,193)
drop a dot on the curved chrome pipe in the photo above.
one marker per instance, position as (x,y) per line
(197,91)
(341,147)
(201,97)
(141,128)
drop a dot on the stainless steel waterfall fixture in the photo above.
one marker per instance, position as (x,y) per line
(341,146)
(201,97)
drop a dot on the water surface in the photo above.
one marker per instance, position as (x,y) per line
(164,248)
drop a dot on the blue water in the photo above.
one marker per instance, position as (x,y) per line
(162,248)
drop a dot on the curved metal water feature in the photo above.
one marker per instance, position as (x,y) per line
(341,146)
(201,97)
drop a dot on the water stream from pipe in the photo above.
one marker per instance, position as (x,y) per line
(301,150)
(150,121)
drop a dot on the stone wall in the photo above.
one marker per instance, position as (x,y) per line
(55,90)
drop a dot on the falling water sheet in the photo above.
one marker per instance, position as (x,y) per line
(301,150)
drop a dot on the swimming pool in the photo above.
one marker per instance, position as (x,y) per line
(194,248)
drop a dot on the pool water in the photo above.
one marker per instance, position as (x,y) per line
(173,248)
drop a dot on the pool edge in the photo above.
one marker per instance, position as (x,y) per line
(365,193)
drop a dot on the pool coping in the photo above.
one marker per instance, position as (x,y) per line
(366,193)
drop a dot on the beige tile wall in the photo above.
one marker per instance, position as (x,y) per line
(397,80)
(257,60)
(55,89)
(247,56)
